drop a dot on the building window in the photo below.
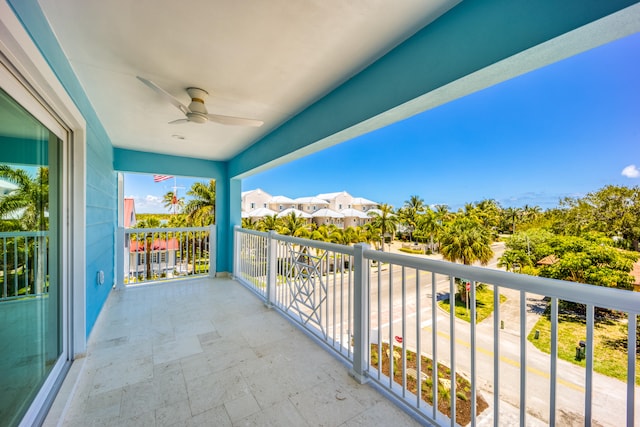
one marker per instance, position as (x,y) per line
(253,205)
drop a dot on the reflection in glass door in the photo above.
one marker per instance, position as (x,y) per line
(31,309)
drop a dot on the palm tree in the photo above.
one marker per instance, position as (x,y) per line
(172,202)
(30,199)
(385,220)
(268,223)
(201,208)
(151,222)
(294,225)
(429,225)
(467,241)
(410,213)
(512,215)
(249,224)
(510,260)
(31,202)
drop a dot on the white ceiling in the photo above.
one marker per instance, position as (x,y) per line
(262,59)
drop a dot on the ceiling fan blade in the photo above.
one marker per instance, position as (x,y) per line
(179,121)
(179,105)
(234,121)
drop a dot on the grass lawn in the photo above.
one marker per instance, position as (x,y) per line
(484,305)
(610,336)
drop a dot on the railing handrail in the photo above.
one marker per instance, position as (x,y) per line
(611,298)
(319,244)
(24,234)
(164,230)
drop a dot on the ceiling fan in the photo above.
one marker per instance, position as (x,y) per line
(196,111)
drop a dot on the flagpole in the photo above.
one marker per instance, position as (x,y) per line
(175,193)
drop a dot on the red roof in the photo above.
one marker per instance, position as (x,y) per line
(157,245)
(129,213)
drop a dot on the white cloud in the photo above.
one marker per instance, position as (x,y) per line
(631,171)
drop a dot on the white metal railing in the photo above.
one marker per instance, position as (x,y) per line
(379,310)
(155,254)
(23,264)
(307,280)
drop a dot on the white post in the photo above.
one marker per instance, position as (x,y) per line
(212,251)
(272,267)
(360,315)
(236,252)
(120,250)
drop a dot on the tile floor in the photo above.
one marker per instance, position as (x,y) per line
(209,353)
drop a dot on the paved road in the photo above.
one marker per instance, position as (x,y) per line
(609,395)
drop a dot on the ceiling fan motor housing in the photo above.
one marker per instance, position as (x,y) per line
(197,111)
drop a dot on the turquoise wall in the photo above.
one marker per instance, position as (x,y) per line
(101,181)
(143,162)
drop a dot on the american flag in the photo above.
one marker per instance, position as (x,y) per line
(159,178)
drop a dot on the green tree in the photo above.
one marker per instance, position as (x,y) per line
(467,241)
(294,225)
(589,260)
(613,210)
(249,224)
(30,200)
(28,204)
(410,213)
(268,223)
(201,208)
(172,202)
(385,221)
(151,222)
(514,260)
(429,226)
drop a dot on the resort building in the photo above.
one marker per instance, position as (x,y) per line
(90,90)
(340,209)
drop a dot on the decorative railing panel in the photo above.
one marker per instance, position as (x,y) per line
(381,312)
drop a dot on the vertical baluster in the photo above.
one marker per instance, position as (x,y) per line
(434,340)
(632,325)
(350,297)
(4,267)
(496,355)
(452,347)
(402,325)
(472,323)
(418,341)
(391,360)
(380,351)
(553,372)
(26,266)
(15,267)
(588,393)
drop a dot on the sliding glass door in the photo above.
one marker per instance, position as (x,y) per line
(32,307)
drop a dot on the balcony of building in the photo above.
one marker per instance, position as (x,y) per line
(208,352)
(315,75)
(294,340)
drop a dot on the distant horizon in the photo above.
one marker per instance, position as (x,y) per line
(564,130)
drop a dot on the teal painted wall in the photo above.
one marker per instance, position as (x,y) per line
(471,36)
(101,184)
(143,162)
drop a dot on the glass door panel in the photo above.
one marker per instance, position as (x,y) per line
(31,334)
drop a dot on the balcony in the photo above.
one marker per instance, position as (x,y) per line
(208,352)
(212,351)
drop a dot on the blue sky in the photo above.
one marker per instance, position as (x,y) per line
(564,130)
